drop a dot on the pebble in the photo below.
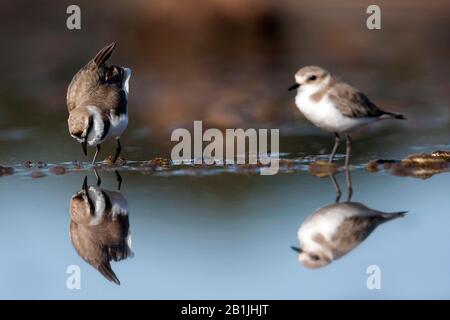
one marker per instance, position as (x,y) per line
(58,170)
(38,174)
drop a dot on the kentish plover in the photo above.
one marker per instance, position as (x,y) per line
(334,230)
(97,100)
(335,106)
(99,228)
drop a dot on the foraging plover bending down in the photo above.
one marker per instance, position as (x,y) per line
(334,230)
(335,106)
(97,100)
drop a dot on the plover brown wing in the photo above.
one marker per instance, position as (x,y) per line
(355,229)
(354,104)
(86,80)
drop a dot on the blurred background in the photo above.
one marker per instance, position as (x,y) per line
(226,62)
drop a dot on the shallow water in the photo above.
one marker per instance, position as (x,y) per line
(226,234)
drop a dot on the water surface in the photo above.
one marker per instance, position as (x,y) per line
(227,234)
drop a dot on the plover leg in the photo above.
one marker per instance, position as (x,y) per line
(99,180)
(347,151)
(97,150)
(118,150)
(349,184)
(336,187)
(119,179)
(336,145)
(347,168)
(84,147)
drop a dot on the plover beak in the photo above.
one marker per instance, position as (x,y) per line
(293,87)
(84,146)
(296,249)
(85,186)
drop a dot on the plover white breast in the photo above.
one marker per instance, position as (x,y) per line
(99,228)
(334,230)
(335,106)
(97,100)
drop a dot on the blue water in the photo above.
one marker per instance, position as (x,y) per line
(226,236)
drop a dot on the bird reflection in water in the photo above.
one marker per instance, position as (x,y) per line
(99,228)
(334,230)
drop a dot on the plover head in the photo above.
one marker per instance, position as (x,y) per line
(87,126)
(114,74)
(82,207)
(80,123)
(120,76)
(310,78)
(312,259)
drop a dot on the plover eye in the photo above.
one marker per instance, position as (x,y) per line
(312,78)
(315,257)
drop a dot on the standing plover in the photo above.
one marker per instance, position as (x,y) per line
(335,106)
(97,100)
(334,230)
(99,228)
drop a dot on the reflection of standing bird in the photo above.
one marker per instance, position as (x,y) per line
(97,100)
(334,230)
(334,105)
(99,228)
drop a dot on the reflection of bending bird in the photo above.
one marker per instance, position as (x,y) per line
(334,230)
(99,228)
